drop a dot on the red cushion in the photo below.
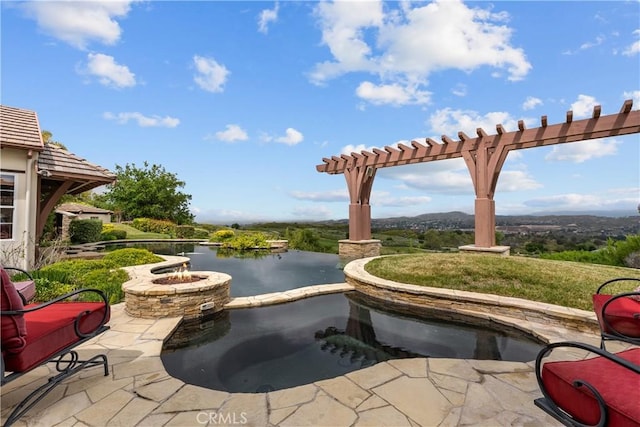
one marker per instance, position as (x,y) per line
(14,329)
(618,386)
(27,289)
(620,314)
(51,329)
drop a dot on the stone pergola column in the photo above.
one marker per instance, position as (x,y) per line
(359,244)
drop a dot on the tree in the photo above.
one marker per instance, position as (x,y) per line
(148,192)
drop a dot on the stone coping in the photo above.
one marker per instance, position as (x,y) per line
(287,296)
(355,271)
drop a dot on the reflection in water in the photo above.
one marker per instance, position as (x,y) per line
(282,346)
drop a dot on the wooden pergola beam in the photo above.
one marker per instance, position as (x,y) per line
(623,123)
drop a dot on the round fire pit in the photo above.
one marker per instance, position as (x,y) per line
(168,295)
(173,280)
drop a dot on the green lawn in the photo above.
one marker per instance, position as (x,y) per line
(565,283)
(133,233)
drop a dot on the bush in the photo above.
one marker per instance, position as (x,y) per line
(185,232)
(615,253)
(70,271)
(246,241)
(107,280)
(85,230)
(223,235)
(154,226)
(47,289)
(113,235)
(200,233)
(131,256)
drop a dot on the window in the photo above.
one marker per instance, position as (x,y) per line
(7,206)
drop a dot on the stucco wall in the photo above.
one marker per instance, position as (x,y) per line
(19,250)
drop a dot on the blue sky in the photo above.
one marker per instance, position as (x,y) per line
(241,100)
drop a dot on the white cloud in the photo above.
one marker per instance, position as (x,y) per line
(394,94)
(210,76)
(459,90)
(385,199)
(79,22)
(405,44)
(634,96)
(341,195)
(108,72)
(588,45)
(291,137)
(614,199)
(531,102)
(633,48)
(516,180)
(581,151)
(350,148)
(314,212)
(232,133)
(267,16)
(142,120)
(449,122)
(583,107)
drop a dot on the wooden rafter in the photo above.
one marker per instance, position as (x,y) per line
(623,123)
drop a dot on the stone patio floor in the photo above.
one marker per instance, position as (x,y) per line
(407,392)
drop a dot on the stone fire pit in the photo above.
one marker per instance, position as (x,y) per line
(155,296)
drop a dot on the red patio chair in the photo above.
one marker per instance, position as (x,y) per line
(619,314)
(36,334)
(26,288)
(600,391)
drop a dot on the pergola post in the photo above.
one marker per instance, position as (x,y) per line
(359,244)
(485,223)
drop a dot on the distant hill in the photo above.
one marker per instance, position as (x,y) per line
(625,223)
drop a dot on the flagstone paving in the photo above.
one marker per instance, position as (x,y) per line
(403,392)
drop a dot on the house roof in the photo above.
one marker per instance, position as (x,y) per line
(20,129)
(56,163)
(80,208)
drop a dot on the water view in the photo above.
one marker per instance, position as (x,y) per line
(257,272)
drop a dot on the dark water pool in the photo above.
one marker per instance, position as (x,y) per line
(256,273)
(282,346)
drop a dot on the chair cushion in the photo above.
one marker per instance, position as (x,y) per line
(27,289)
(51,329)
(620,314)
(14,329)
(618,386)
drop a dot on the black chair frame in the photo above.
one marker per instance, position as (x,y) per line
(613,334)
(67,361)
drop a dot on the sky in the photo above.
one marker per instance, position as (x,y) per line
(241,100)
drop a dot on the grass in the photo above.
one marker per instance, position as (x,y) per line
(133,233)
(564,283)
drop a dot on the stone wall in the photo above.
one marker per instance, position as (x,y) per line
(354,249)
(468,303)
(145,299)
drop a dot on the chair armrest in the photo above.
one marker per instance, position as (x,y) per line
(619,279)
(102,295)
(560,413)
(25,272)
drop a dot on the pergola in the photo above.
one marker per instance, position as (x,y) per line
(483,154)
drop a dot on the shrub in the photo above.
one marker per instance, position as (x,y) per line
(113,235)
(47,289)
(70,271)
(200,233)
(185,231)
(246,241)
(85,230)
(222,235)
(615,253)
(154,226)
(131,256)
(107,280)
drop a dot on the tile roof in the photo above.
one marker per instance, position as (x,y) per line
(19,128)
(57,163)
(80,208)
